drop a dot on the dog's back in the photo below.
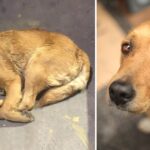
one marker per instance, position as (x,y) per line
(17,46)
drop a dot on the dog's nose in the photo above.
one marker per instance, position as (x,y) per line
(121,92)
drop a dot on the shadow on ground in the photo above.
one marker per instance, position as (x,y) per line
(117,130)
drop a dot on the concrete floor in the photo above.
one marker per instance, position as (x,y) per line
(68,124)
(117,130)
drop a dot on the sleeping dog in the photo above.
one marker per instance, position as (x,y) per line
(34,60)
(129,89)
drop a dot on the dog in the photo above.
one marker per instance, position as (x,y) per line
(129,89)
(35,60)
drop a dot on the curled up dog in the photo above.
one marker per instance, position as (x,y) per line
(129,89)
(34,60)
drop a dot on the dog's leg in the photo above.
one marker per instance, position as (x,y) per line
(29,98)
(34,83)
(9,110)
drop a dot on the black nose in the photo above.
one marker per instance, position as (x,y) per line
(121,92)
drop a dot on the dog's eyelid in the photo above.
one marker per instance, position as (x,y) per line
(126,42)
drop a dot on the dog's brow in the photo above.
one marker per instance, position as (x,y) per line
(125,42)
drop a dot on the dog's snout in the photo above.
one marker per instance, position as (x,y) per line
(121,92)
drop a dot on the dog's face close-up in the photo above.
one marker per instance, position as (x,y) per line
(129,89)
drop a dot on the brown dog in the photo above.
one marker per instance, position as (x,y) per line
(35,60)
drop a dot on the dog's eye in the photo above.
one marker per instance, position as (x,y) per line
(126,48)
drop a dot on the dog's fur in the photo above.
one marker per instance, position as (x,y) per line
(135,68)
(34,60)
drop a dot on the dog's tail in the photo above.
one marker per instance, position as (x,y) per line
(84,75)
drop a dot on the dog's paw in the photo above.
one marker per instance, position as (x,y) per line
(17,116)
(25,106)
(28,115)
(144,125)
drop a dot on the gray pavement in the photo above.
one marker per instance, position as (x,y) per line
(68,124)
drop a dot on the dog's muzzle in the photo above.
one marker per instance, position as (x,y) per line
(121,92)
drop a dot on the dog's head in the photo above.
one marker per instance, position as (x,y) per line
(129,89)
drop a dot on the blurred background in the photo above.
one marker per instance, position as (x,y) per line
(68,125)
(117,130)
